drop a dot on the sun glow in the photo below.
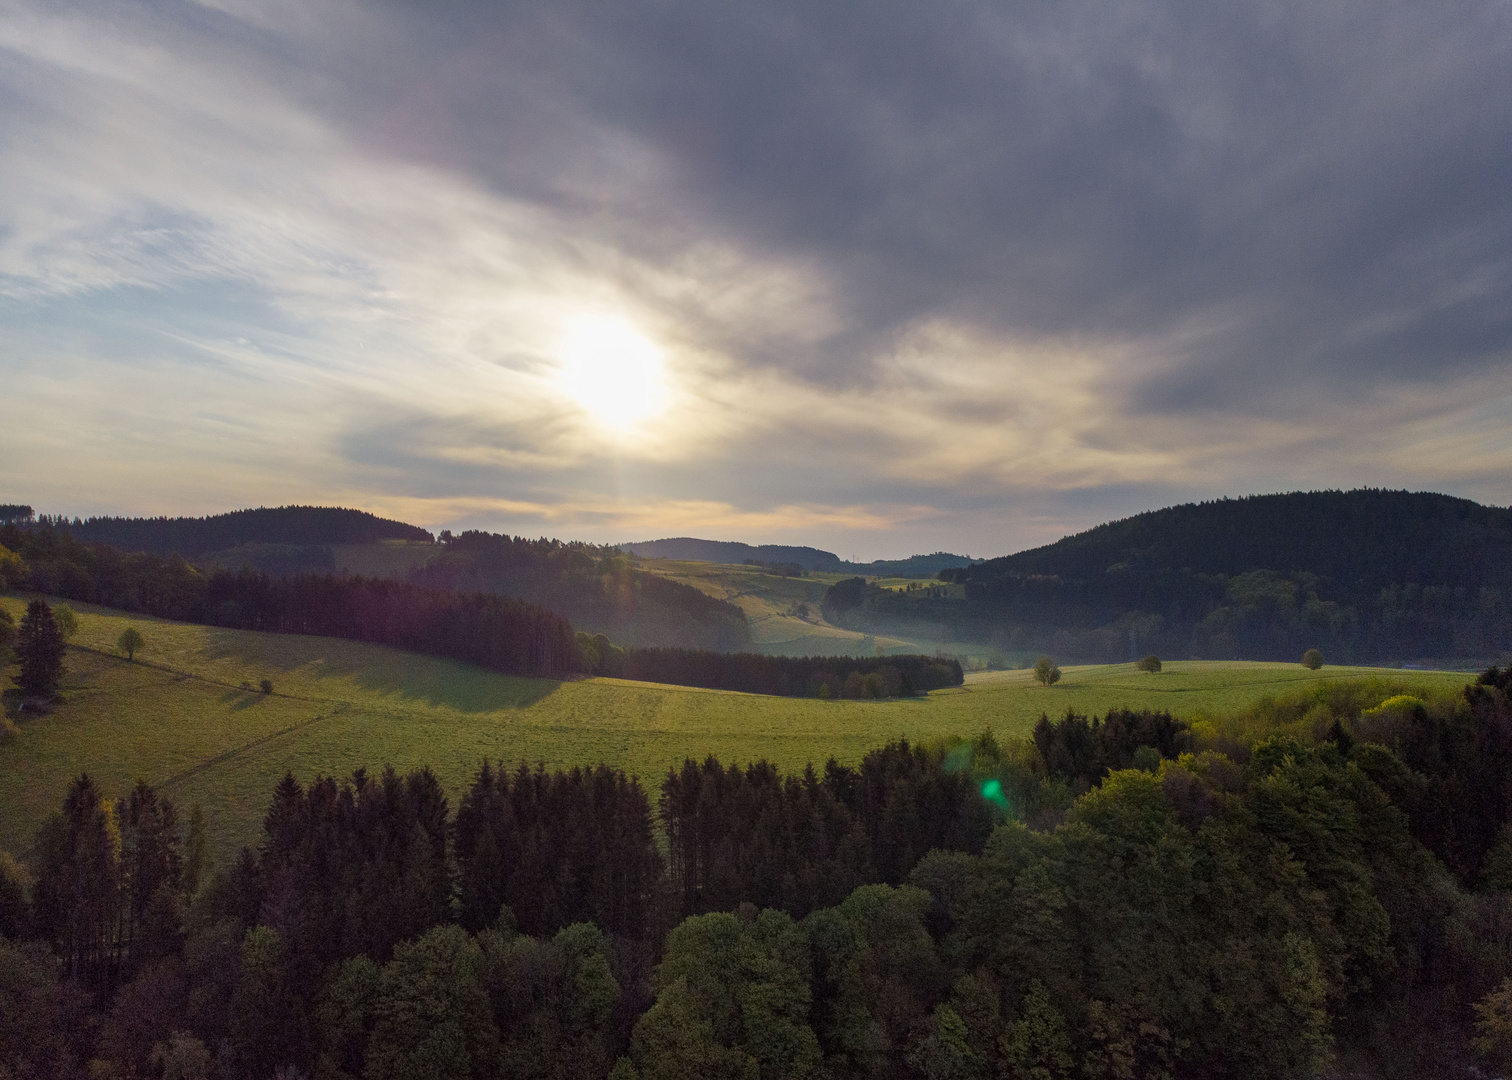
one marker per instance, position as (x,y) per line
(612,372)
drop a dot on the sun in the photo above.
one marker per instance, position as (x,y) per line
(612,372)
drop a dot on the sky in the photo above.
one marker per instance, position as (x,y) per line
(880,277)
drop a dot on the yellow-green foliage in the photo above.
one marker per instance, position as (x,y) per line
(187,716)
(1362,706)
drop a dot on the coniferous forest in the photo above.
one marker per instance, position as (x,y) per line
(1312,886)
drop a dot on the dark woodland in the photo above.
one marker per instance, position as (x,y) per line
(1366,576)
(190,537)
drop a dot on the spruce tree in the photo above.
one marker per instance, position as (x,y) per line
(40,648)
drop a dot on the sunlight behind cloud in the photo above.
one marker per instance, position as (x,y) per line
(612,372)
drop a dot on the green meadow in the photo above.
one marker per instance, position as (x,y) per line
(783,611)
(186,715)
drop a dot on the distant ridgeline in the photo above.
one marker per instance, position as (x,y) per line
(1366,576)
(495,632)
(596,587)
(189,537)
(776,555)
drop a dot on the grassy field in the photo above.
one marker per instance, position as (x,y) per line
(783,611)
(180,717)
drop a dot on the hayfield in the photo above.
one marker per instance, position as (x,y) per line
(181,717)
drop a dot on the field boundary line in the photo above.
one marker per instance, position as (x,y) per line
(227,755)
(206,679)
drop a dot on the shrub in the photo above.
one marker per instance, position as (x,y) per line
(68,622)
(1312,659)
(1149,663)
(1046,671)
(266,686)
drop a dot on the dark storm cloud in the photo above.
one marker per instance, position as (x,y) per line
(1330,186)
(961,275)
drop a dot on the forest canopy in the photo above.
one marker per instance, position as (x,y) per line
(1313,883)
(1366,576)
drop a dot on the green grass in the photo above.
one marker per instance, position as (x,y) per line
(178,717)
(771,604)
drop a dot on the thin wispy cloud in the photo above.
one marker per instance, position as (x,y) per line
(912,277)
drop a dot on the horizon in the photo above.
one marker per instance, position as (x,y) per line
(878,281)
(65,519)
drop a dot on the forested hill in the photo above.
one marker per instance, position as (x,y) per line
(294,525)
(596,587)
(1367,576)
(1366,538)
(729,551)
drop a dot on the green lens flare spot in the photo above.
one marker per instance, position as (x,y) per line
(992,790)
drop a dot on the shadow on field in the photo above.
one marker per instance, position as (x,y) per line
(375,668)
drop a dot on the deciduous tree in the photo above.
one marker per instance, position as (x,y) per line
(130,641)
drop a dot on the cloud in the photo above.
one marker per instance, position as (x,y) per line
(922,277)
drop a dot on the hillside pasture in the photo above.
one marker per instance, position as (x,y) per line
(775,607)
(187,716)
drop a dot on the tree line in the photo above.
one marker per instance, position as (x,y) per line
(1284,896)
(787,676)
(494,632)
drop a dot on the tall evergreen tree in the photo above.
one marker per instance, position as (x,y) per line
(76,898)
(40,647)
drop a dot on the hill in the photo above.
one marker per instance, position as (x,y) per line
(1368,576)
(688,549)
(186,716)
(283,525)
(596,587)
(1364,540)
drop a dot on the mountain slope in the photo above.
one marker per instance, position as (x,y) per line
(1366,537)
(1368,576)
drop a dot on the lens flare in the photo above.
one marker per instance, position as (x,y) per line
(992,791)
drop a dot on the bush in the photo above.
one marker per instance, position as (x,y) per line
(1046,671)
(1312,659)
(68,622)
(1149,663)
(266,686)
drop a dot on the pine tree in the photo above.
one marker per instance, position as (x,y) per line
(39,645)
